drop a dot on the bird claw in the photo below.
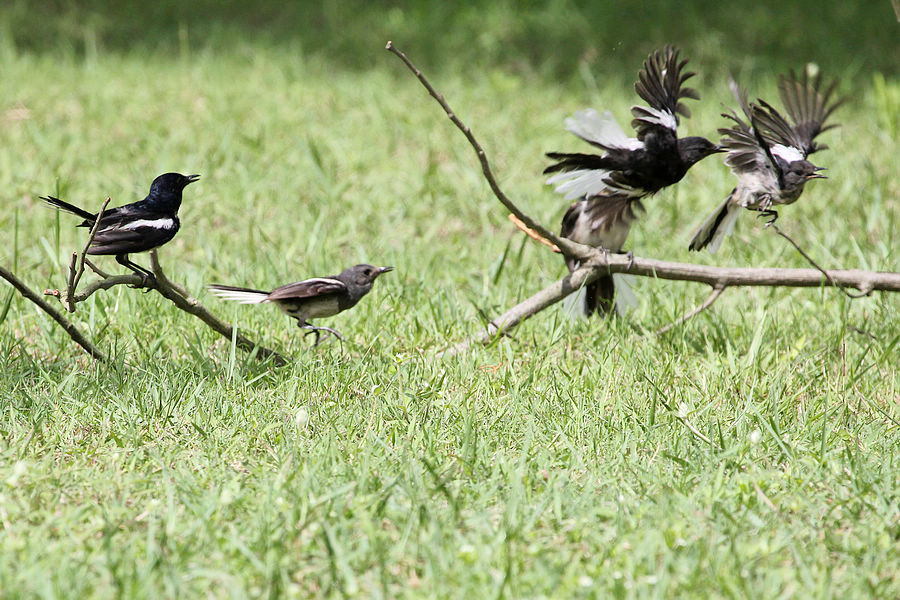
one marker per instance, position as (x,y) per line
(148,282)
(772,215)
(630,256)
(315,330)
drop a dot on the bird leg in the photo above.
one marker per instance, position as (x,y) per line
(147,276)
(770,214)
(315,330)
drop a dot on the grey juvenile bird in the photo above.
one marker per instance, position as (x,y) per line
(768,154)
(311,298)
(136,227)
(610,186)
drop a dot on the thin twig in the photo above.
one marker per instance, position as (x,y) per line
(716,292)
(75,272)
(74,333)
(568,247)
(533,234)
(809,259)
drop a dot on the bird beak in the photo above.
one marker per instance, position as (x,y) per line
(192,178)
(384,269)
(721,148)
(815,176)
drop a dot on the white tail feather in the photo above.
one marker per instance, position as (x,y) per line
(242,296)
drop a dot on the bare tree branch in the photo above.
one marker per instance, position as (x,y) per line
(716,277)
(178,296)
(74,333)
(568,247)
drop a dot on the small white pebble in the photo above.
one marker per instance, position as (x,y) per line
(755,436)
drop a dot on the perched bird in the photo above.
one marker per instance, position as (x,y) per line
(609,187)
(136,227)
(311,298)
(768,153)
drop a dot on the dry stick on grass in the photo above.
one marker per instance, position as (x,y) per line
(74,333)
(178,296)
(595,262)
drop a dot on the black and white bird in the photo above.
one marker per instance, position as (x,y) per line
(136,227)
(768,153)
(610,187)
(314,298)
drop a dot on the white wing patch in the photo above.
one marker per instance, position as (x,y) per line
(164,223)
(662,117)
(787,153)
(603,129)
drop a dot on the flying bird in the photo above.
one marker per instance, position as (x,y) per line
(314,298)
(136,227)
(768,152)
(609,187)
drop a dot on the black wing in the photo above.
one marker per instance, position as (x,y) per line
(308,288)
(661,84)
(809,103)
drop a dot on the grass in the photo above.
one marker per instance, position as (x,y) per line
(568,462)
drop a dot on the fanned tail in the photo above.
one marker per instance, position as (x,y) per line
(713,230)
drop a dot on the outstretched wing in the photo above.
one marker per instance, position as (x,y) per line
(600,130)
(745,154)
(661,84)
(809,103)
(308,288)
(578,174)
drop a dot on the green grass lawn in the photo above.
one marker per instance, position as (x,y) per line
(751,453)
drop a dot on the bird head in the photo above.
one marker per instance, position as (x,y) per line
(364,275)
(166,189)
(694,149)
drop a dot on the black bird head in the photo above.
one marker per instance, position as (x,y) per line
(695,148)
(165,191)
(362,277)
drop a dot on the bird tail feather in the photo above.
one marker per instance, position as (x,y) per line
(239,294)
(69,208)
(601,296)
(713,230)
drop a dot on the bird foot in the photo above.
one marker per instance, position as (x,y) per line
(772,215)
(316,330)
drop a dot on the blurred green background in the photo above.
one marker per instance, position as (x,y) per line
(550,37)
